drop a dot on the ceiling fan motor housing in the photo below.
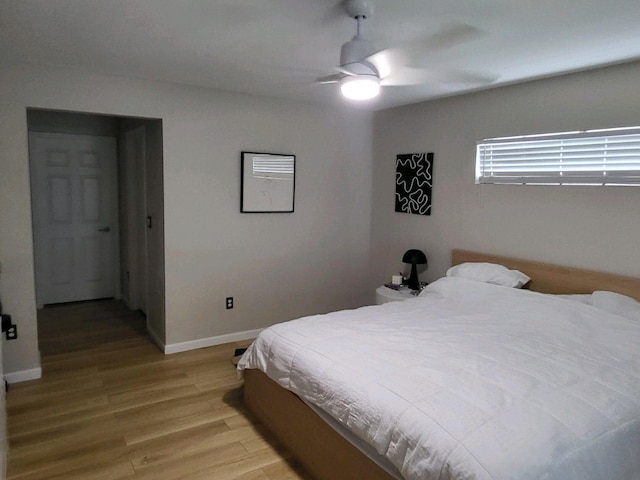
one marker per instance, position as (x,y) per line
(355,52)
(359,8)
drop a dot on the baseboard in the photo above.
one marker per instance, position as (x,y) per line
(23,375)
(154,336)
(36,373)
(211,341)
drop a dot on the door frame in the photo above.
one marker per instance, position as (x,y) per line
(86,122)
(135,192)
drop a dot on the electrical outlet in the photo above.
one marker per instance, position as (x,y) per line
(12,332)
(8,327)
(229,302)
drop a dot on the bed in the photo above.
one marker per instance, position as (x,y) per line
(533,397)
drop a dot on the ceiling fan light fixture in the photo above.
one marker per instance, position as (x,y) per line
(360,87)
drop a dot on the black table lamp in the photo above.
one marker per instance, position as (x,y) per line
(414,257)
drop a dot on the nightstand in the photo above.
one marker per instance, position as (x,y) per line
(386,294)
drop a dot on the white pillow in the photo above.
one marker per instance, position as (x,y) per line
(616,303)
(576,297)
(489,273)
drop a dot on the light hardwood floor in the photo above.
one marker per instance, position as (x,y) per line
(111,406)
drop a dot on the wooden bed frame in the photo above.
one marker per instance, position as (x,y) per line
(324,453)
(548,278)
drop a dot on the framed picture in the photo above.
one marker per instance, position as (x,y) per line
(268,182)
(414,183)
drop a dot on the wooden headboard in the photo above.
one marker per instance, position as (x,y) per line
(548,278)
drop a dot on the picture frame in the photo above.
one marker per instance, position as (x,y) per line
(267,182)
(414,183)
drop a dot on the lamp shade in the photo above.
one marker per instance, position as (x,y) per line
(414,257)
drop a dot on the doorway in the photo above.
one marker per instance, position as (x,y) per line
(97,205)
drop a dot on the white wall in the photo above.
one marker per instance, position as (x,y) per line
(591,227)
(277,266)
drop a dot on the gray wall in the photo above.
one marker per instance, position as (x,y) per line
(591,227)
(277,266)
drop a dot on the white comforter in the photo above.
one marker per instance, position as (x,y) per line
(472,381)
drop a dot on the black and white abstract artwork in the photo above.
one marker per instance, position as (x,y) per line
(414,181)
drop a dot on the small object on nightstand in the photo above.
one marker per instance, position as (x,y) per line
(386,294)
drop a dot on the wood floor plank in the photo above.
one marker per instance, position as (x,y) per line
(184,443)
(232,467)
(112,470)
(71,433)
(191,464)
(111,406)
(47,409)
(285,470)
(72,459)
(208,447)
(164,428)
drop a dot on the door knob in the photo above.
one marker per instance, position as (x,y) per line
(105,229)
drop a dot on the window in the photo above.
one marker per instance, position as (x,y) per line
(591,157)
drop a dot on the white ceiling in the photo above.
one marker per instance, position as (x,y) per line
(279,47)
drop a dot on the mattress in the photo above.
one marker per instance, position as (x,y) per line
(471,381)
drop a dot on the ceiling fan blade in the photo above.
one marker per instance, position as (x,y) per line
(465,77)
(398,66)
(452,35)
(334,78)
(417,53)
(388,61)
(419,76)
(345,71)
(405,76)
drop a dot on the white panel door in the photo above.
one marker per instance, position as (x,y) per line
(74,201)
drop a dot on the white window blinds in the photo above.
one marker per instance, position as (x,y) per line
(593,157)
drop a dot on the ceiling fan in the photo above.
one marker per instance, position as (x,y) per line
(364,68)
